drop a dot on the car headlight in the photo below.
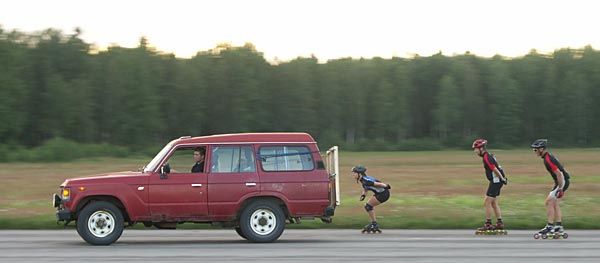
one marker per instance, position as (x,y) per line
(66,193)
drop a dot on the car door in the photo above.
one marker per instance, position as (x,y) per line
(179,194)
(231,179)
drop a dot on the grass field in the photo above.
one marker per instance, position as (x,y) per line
(442,189)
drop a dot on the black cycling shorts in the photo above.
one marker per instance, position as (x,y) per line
(384,196)
(494,189)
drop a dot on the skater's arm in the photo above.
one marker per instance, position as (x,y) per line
(560,178)
(379,184)
(498,173)
(557,170)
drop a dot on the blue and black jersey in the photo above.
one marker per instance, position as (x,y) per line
(368,183)
(552,164)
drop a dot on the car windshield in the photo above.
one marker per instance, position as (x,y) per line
(152,165)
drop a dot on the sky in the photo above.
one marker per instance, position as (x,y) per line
(328,29)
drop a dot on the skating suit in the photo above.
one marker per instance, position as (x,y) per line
(368,183)
(552,164)
(490,163)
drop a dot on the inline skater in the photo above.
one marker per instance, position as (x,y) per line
(497,179)
(381,194)
(561,184)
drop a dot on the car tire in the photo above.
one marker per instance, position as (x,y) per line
(262,222)
(238,230)
(100,223)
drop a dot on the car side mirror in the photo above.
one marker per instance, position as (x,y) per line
(164,170)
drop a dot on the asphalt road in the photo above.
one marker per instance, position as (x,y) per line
(299,246)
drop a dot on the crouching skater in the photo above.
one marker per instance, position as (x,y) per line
(381,194)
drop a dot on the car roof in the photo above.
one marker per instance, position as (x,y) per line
(264,137)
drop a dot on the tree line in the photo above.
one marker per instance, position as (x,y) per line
(55,85)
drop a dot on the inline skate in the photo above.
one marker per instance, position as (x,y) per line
(371,228)
(558,232)
(543,233)
(489,229)
(500,229)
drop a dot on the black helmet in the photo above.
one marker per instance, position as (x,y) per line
(361,169)
(539,143)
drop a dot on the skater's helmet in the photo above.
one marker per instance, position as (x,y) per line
(539,143)
(361,169)
(479,143)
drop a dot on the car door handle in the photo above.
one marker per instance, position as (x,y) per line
(250,184)
(196,185)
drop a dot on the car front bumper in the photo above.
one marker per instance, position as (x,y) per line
(64,215)
(61,214)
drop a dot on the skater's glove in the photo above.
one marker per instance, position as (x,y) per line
(559,193)
(387,186)
(505,180)
(362,198)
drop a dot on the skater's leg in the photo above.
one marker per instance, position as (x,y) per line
(496,208)
(557,212)
(490,202)
(372,215)
(558,218)
(373,202)
(550,211)
(487,205)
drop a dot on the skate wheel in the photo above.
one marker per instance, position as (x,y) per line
(364,231)
(565,235)
(379,231)
(536,236)
(544,236)
(556,236)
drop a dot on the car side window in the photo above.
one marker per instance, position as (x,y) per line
(182,160)
(286,158)
(232,159)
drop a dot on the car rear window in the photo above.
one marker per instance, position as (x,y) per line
(286,158)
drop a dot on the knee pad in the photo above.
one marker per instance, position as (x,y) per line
(368,207)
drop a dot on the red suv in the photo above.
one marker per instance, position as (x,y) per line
(253,182)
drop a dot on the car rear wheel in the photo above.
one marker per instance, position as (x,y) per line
(100,223)
(262,222)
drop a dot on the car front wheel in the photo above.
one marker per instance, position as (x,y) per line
(100,223)
(238,230)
